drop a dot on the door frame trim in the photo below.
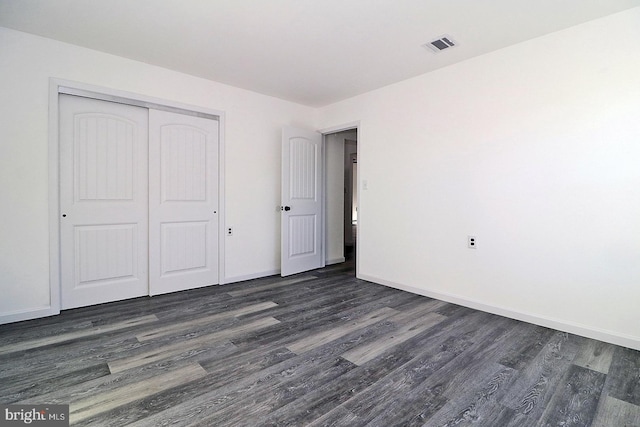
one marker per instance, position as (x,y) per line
(60,86)
(355,125)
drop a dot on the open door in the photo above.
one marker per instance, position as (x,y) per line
(301,230)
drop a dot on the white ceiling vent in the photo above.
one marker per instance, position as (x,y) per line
(443,43)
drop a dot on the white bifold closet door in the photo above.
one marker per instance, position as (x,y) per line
(183,202)
(138,201)
(103,201)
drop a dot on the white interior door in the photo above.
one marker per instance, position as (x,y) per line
(103,201)
(301,222)
(183,202)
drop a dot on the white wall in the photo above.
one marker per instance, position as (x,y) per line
(535,150)
(253,134)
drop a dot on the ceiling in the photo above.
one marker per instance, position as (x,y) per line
(313,52)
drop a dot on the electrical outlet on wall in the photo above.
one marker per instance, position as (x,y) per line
(229,231)
(471,242)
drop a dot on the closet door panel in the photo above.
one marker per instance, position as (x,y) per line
(103,201)
(183,202)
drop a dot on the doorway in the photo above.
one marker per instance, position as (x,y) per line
(341,198)
(351,199)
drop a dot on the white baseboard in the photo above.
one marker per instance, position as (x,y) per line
(571,327)
(335,261)
(236,279)
(35,313)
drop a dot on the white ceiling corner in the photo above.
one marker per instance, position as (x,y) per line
(313,52)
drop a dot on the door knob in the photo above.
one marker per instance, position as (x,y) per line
(285,208)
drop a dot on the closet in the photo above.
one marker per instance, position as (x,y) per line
(138,201)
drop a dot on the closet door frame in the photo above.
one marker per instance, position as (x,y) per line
(60,86)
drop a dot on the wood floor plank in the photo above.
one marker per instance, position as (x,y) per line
(408,313)
(222,370)
(419,360)
(595,355)
(270,286)
(67,357)
(103,402)
(279,391)
(21,387)
(365,353)
(404,367)
(575,400)
(228,369)
(203,306)
(449,309)
(41,342)
(162,306)
(340,417)
(410,363)
(324,309)
(526,347)
(290,296)
(477,363)
(615,412)
(215,400)
(11,333)
(323,303)
(477,402)
(205,341)
(285,336)
(623,381)
(426,382)
(268,352)
(177,327)
(303,325)
(316,340)
(106,384)
(534,388)
(171,304)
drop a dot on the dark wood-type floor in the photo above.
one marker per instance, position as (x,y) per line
(320,349)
